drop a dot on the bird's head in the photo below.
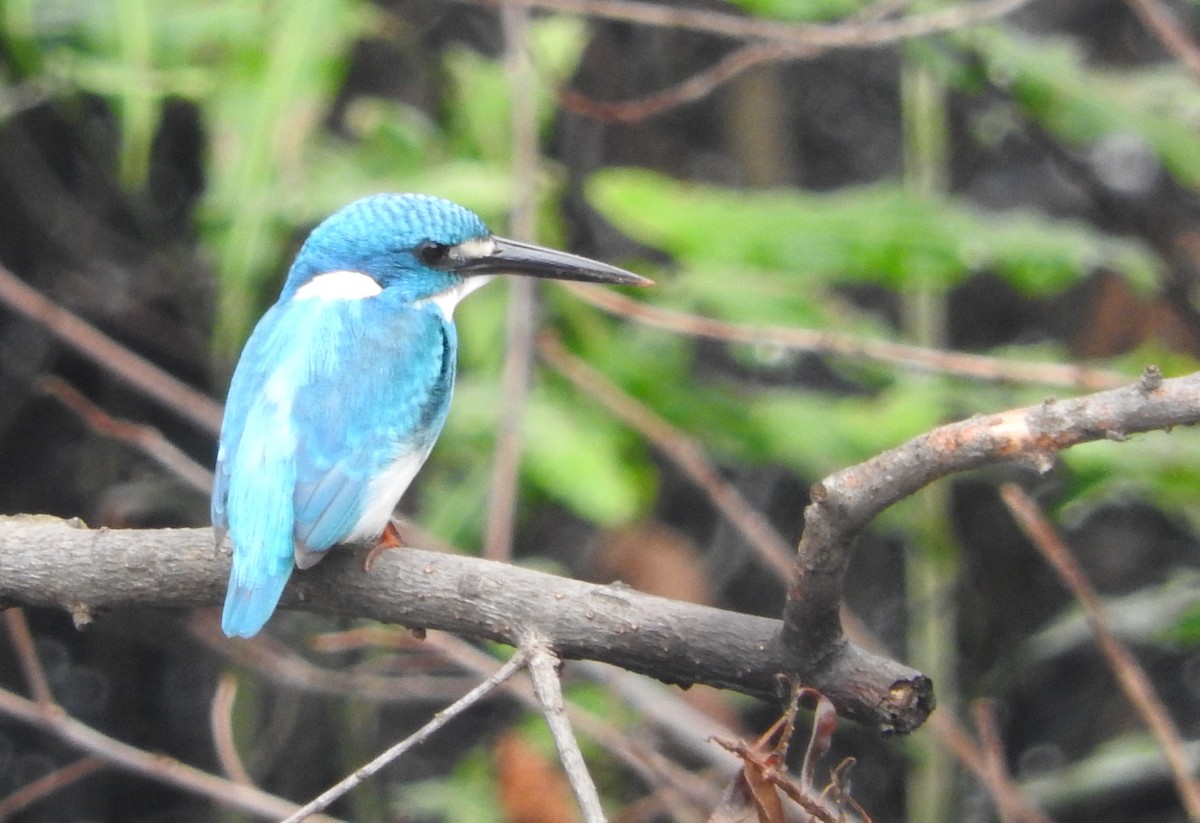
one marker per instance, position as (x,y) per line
(423,248)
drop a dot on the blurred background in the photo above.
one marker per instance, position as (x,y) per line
(1019,185)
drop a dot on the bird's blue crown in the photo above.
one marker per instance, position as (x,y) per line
(380,236)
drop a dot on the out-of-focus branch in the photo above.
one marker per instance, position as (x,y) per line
(1130,674)
(834,35)
(685,452)
(57,780)
(422,734)
(88,341)
(1160,20)
(146,439)
(955,364)
(155,766)
(521,315)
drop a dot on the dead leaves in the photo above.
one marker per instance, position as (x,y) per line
(765,792)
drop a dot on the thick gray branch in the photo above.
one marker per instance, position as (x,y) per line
(46,562)
(843,503)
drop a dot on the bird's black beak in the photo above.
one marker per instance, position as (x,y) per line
(514,257)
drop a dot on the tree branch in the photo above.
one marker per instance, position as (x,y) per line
(46,562)
(843,503)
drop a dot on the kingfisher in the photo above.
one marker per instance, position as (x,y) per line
(345,382)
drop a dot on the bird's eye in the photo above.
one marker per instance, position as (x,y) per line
(434,255)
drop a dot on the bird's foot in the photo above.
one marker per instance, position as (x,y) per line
(390,539)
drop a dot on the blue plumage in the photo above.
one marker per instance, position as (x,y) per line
(345,383)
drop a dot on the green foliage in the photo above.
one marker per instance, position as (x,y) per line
(1080,105)
(782,243)
(802,10)
(580,456)
(1185,633)
(468,796)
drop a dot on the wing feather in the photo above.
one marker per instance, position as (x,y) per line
(325,400)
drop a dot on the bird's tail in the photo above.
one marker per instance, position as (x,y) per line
(250,603)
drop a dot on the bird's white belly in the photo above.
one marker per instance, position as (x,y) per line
(384,492)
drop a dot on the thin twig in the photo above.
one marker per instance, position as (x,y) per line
(47,785)
(158,767)
(1009,797)
(88,341)
(697,86)
(1159,19)
(278,663)
(31,664)
(146,439)
(836,35)
(220,720)
(990,745)
(642,759)
(422,734)
(1130,674)
(543,671)
(703,83)
(955,364)
(682,450)
(520,325)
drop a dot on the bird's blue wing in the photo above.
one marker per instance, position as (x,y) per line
(325,401)
(369,420)
(255,474)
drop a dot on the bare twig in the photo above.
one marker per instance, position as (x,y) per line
(837,35)
(1009,797)
(697,86)
(157,767)
(279,664)
(422,734)
(58,779)
(31,664)
(520,321)
(146,439)
(992,748)
(639,757)
(1159,19)
(685,453)
(543,671)
(1130,674)
(220,718)
(88,341)
(955,364)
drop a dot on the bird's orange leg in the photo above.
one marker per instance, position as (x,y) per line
(390,539)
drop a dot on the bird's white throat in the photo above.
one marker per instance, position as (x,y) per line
(448,299)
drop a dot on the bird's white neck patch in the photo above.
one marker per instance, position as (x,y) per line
(338,285)
(448,299)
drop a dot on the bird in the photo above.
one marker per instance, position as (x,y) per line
(344,384)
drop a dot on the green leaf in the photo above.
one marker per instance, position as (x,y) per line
(579,456)
(1050,79)
(801,10)
(789,246)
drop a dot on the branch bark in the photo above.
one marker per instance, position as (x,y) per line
(845,502)
(47,562)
